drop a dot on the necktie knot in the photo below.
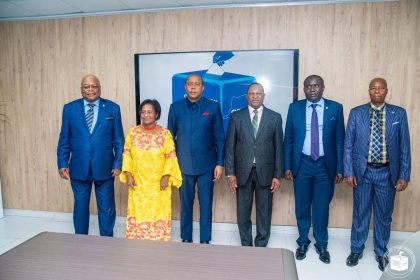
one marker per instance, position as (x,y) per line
(91,106)
(314,106)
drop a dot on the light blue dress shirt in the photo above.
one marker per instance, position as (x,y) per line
(95,111)
(320,112)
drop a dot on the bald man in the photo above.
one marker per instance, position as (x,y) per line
(377,164)
(89,151)
(197,127)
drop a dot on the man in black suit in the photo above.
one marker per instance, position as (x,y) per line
(254,163)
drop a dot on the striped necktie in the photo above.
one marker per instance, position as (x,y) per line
(255,123)
(89,116)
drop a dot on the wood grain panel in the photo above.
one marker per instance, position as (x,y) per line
(42,62)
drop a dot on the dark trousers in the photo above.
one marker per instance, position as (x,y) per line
(375,190)
(205,198)
(105,201)
(264,205)
(314,190)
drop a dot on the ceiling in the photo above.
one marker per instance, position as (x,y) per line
(43,9)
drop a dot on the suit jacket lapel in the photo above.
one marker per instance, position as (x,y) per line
(326,118)
(101,111)
(82,113)
(390,115)
(263,122)
(248,123)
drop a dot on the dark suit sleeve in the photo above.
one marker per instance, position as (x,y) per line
(288,140)
(219,136)
(279,148)
(340,139)
(404,134)
(63,147)
(172,122)
(118,139)
(349,144)
(230,147)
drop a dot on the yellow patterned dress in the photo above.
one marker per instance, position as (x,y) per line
(148,155)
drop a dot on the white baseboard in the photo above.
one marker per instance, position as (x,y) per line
(61,216)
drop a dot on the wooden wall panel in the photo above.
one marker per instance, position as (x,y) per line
(42,62)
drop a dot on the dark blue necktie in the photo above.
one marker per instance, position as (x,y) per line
(89,116)
(314,134)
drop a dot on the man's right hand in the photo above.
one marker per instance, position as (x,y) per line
(351,181)
(64,173)
(288,175)
(233,184)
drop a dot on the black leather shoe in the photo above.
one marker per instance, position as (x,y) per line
(353,258)
(301,252)
(382,262)
(324,255)
(186,240)
(204,242)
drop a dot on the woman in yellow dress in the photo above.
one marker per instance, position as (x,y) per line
(150,168)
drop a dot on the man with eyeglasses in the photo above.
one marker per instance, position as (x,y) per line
(377,164)
(197,127)
(89,151)
(254,164)
(313,159)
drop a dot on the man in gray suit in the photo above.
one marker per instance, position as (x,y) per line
(254,163)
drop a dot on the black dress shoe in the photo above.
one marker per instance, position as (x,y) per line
(324,255)
(382,262)
(353,258)
(186,240)
(301,252)
(205,242)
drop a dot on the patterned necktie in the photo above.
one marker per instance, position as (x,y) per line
(255,123)
(376,138)
(314,134)
(89,116)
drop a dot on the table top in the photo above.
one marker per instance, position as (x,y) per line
(68,256)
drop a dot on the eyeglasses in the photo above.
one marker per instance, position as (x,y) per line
(377,88)
(94,86)
(256,94)
(147,112)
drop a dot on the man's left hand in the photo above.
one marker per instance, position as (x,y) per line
(401,185)
(339,178)
(275,185)
(115,172)
(218,170)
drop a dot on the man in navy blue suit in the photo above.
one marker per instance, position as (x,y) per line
(377,164)
(89,151)
(313,160)
(197,127)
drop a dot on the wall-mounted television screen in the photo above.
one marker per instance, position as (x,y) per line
(226,76)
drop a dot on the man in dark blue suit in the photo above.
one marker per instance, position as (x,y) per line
(313,159)
(377,164)
(197,127)
(89,151)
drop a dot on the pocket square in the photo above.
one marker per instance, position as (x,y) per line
(395,123)
(109,118)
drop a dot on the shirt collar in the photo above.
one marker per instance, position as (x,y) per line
(85,103)
(377,108)
(251,110)
(320,103)
(198,102)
